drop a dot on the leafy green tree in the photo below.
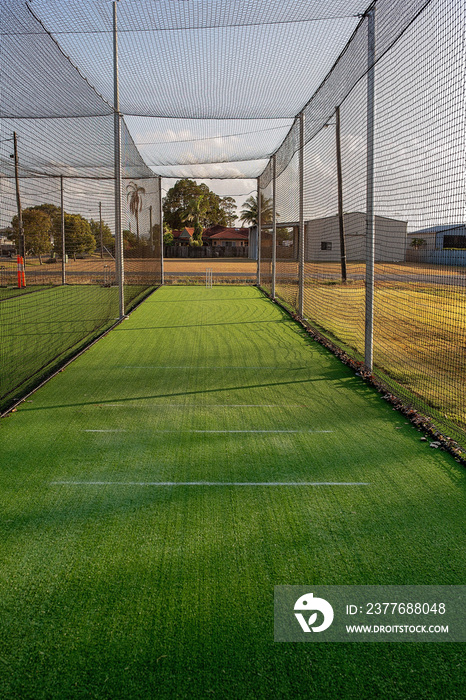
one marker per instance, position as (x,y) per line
(78,236)
(228,204)
(195,213)
(37,226)
(129,239)
(249,212)
(107,239)
(417,243)
(177,205)
(134,193)
(167,235)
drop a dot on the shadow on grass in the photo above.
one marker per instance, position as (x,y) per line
(337,376)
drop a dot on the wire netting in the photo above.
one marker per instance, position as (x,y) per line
(215,90)
(419,310)
(65,153)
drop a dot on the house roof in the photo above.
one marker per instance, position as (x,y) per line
(230,234)
(183,233)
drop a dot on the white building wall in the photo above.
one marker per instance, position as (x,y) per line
(390,239)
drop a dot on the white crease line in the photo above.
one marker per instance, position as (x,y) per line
(111,430)
(210,483)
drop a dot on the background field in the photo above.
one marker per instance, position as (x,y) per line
(118,590)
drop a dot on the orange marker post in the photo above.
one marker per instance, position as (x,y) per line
(21,273)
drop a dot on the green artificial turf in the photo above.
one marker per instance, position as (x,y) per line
(42,327)
(117,590)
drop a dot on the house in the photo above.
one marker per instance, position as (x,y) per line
(183,236)
(444,244)
(227,238)
(322,238)
(216,240)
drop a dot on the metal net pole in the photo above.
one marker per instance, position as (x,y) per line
(274,224)
(370,219)
(62,226)
(259,224)
(117,150)
(301,218)
(162,270)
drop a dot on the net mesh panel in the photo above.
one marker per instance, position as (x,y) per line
(420,332)
(287,213)
(266,198)
(206,69)
(65,133)
(190,112)
(420,233)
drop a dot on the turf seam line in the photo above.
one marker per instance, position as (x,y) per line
(210,483)
(155,430)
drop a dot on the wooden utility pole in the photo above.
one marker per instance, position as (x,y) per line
(101,232)
(22,248)
(151,235)
(341,222)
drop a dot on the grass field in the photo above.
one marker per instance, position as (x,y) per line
(419,339)
(115,589)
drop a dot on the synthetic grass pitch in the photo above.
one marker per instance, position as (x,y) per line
(115,586)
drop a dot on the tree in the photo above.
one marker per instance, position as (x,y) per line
(167,235)
(194,213)
(78,235)
(129,239)
(228,204)
(134,193)
(417,243)
(37,226)
(107,239)
(249,212)
(176,205)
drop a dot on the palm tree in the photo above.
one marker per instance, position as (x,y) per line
(194,212)
(249,212)
(134,194)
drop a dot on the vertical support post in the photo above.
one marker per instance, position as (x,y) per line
(119,262)
(341,222)
(301,234)
(274,225)
(101,232)
(151,233)
(162,269)
(22,245)
(259,225)
(370,217)
(62,230)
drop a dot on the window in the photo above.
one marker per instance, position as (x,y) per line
(454,242)
(326,245)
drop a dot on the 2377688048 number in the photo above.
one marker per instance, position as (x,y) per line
(405,608)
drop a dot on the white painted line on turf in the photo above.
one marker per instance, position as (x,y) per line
(110,430)
(210,483)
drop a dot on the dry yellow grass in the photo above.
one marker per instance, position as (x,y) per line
(216,265)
